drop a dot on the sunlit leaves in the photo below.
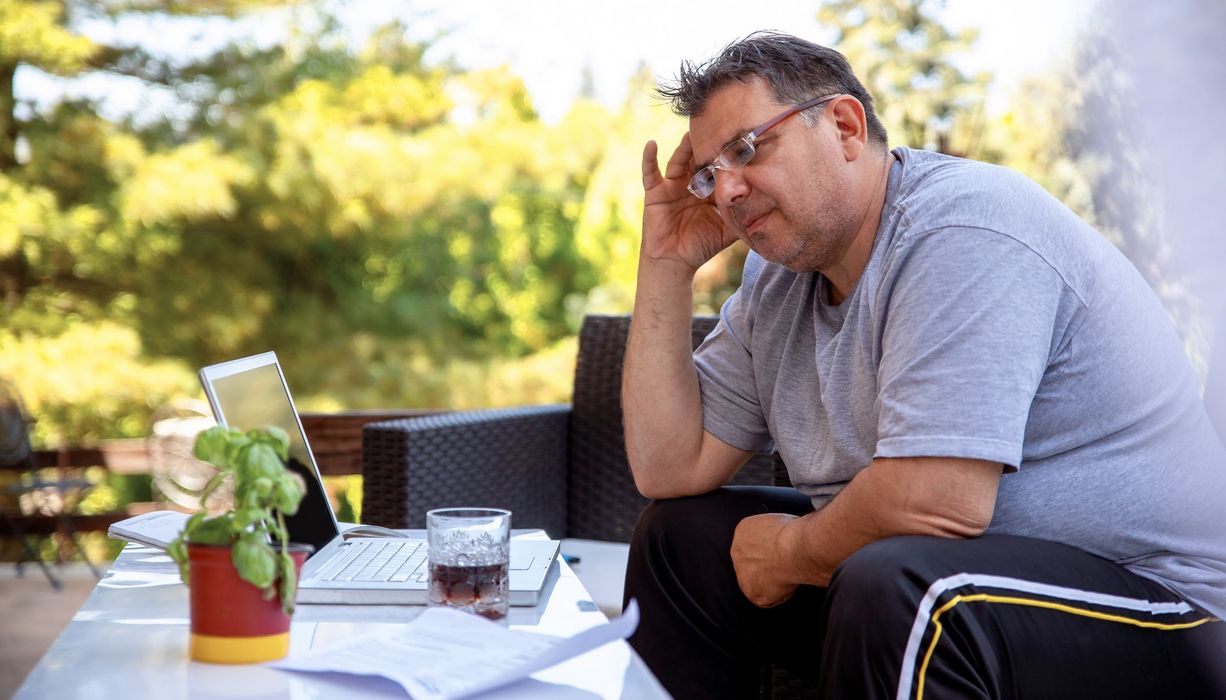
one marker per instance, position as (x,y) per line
(401,101)
(195,181)
(607,228)
(90,381)
(228,8)
(31,32)
(32,224)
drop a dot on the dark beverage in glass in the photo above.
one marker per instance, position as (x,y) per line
(480,589)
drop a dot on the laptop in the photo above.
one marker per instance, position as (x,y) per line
(354,565)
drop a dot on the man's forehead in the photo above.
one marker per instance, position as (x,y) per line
(729,112)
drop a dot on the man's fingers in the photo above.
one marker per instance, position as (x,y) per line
(679,165)
(651,168)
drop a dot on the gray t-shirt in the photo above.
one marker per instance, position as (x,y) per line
(990,323)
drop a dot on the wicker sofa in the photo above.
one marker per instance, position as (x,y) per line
(561,468)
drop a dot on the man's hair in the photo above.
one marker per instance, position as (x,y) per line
(795,69)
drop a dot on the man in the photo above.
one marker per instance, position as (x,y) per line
(1005,482)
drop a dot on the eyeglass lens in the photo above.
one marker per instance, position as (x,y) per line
(735,155)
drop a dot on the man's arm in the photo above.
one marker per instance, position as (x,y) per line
(945,497)
(670,453)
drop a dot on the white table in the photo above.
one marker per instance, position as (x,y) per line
(130,639)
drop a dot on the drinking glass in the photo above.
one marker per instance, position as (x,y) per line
(469,559)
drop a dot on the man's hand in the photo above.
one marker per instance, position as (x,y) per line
(934,496)
(677,226)
(760,562)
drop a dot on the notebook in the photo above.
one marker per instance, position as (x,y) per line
(364,564)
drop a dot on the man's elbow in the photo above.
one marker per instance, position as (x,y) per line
(962,521)
(652,485)
(939,516)
(665,481)
(655,491)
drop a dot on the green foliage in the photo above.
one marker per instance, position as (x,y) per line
(339,204)
(264,492)
(84,381)
(31,31)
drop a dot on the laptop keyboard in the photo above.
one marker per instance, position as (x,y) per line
(381,560)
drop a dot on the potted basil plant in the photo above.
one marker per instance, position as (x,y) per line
(239,564)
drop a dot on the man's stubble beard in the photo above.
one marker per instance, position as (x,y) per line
(820,240)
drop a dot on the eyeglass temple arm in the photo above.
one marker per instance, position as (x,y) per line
(798,108)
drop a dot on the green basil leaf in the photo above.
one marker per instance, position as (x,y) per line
(211,446)
(260,460)
(262,487)
(251,499)
(234,449)
(287,494)
(277,439)
(255,560)
(218,530)
(246,517)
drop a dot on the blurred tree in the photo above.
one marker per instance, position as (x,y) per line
(390,227)
(33,33)
(69,261)
(1027,136)
(903,55)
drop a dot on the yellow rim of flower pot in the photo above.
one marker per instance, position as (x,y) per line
(239,650)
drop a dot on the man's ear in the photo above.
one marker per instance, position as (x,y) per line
(852,125)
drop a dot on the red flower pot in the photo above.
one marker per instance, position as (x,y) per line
(232,623)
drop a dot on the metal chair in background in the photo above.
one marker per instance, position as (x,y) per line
(28,494)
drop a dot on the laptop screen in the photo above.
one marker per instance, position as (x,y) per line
(251,393)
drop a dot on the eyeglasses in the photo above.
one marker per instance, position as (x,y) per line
(742,150)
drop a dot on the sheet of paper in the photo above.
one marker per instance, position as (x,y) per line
(444,654)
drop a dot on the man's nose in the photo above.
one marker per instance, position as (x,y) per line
(730,186)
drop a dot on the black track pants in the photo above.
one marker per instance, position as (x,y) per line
(912,617)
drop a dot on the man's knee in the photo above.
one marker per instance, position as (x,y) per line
(692,520)
(692,536)
(659,517)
